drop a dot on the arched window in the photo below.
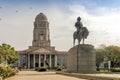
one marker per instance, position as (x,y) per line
(41,37)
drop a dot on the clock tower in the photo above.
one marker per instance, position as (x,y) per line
(41,34)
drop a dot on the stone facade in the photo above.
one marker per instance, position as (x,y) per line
(41,34)
(82,59)
(41,53)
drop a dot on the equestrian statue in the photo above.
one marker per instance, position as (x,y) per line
(81,32)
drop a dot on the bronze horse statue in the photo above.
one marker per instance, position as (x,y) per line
(82,34)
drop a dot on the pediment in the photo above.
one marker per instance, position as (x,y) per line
(42,51)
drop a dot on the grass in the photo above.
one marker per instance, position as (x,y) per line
(111,70)
(104,70)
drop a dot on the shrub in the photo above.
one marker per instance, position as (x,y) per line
(6,70)
(58,69)
(41,69)
(115,69)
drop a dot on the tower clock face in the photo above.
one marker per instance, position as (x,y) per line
(41,24)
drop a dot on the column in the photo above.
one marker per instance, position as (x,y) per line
(55,60)
(34,60)
(39,60)
(44,59)
(61,62)
(50,61)
(25,61)
(28,61)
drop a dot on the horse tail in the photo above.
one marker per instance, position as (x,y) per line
(86,33)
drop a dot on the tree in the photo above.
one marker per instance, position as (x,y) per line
(8,54)
(109,53)
(113,54)
(99,56)
(1,55)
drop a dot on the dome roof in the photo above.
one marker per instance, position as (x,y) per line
(41,17)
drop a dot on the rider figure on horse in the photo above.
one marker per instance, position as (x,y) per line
(81,33)
(78,24)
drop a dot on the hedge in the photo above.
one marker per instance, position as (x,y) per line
(41,69)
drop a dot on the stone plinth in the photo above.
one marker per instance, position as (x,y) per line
(82,59)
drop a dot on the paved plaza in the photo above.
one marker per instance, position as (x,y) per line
(33,75)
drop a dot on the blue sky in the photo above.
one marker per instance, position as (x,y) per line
(86,3)
(105,3)
(101,17)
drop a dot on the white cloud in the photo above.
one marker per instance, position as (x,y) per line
(17,28)
(104,27)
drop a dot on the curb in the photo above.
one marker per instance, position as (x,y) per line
(89,77)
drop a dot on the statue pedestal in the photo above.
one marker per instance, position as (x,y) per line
(82,59)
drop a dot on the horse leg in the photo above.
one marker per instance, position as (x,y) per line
(78,41)
(83,40)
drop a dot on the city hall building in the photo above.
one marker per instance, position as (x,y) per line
(41,53)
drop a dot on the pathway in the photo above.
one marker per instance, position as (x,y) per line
(33,75)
